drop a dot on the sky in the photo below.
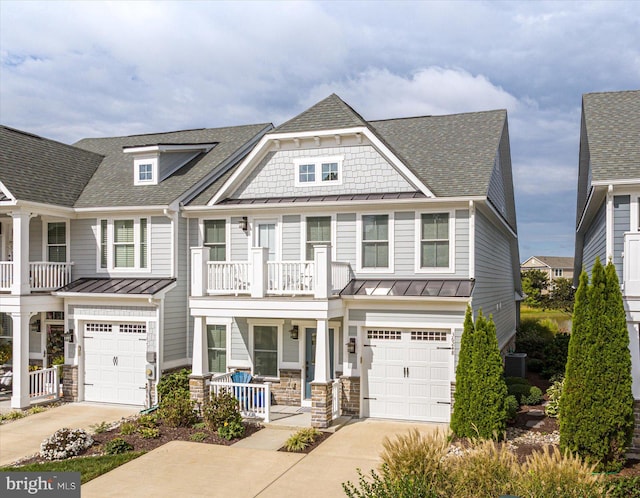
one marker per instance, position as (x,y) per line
(70,70)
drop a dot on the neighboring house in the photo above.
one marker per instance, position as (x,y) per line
(554,267)
(338,260)
(91,264)
(608,209)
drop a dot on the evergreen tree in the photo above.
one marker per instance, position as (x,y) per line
(460,424)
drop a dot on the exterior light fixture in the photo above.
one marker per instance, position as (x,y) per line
(351,345)
(294,332)
(243,224)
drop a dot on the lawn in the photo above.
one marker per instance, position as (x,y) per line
(89,467)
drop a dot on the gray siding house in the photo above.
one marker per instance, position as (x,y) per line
(92,271)
(337,260)
(608,210)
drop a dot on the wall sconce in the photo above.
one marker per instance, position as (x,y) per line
(243,224)
(351,345)
(68,336)
(294,332)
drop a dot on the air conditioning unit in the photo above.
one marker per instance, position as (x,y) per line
(515,365)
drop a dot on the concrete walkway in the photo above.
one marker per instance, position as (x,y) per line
(21,438)
(243,470)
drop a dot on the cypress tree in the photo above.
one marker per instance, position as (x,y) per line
(460,423)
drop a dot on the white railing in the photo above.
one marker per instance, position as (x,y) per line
(6,275)
(44,383)
(221,378)
(49,276)
(254,399)
(290,277)
(335,399)
(631,264)
(341,274)
(228,277)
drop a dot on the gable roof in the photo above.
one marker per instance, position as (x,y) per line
(612,121)
(40,170)
(328,114)
(554,261)
(112,184)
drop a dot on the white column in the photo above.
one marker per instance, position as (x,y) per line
(20,398)
(259,273)
(322,373)
(200,353)
(21,284)
(199,271)
(322,258)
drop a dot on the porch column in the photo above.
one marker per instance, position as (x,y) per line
(322,258)
(21,284)
(322,373)
(259,273)
(20,322)
(321,395)
(199,378)
(199,271)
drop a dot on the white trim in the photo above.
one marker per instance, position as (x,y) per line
(391,232)
(606,183)
(317,164)
(609,226)
(227,323)
(303,234)
(45,236)
(7,193)
(146,160)
(111,268)
(266,322)
(418,242)
(472,240)
(227,234)
(168,148)
(252,240)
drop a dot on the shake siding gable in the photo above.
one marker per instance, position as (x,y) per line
(621,224)
(595,241)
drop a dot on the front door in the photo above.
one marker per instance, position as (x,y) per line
(310,358)
(55,344)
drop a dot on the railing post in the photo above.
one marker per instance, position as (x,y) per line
(199,271)
(267,402)
(322,280)
(259,282)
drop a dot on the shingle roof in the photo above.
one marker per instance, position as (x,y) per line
(556,261)
(112,184)
(613,133)
(37,169)
(328,114)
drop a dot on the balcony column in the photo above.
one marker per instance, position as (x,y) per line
(259,272)
(20,323)
(21,284)
(322,258)
(199,271)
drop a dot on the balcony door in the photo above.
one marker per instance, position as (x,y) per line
(265,236)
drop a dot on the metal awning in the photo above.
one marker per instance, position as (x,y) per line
(117,286)
(328,198)
(409,288)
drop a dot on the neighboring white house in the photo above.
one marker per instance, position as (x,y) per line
(608,211)
(338,259)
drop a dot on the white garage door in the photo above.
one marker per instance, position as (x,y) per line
(114,362)
(407,374)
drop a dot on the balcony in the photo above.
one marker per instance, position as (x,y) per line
(43,276)
(258,278)
(631,264)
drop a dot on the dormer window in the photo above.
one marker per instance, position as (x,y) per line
(145,170)
(318,171)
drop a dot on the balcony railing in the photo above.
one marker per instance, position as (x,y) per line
(254,400)
(43,275)
(228,278)
(290,277)
(631,265)
(44,383)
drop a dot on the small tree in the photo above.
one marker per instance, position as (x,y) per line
(561,297)
(597,404)
(534,284)
(479,408)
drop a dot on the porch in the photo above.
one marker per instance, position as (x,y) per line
(44,386)
(42,276)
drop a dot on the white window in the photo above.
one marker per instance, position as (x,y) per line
(145,172)
(435,235)
(375,250)
(318,232)
(318,171)
(56,241)
(217,348)
(124,244)
(265,350)
(215,239)
(557,272)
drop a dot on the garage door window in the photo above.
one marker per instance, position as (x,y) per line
(390,335)
(265,350)
(133,328)
(217,348)
(428,335)
(99,327)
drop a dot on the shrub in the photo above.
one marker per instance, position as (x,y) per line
(15,415)
(534,397)
(100,427)
(127,428)
(511,407)
(231,429)
(555,356)
(220,408)
(149,432)
(555,393)
(65,443)
(198,437)
(533,336)
(526,394)
(147,420)
(511,381)
(384,485)
(175,381)
(622,487)
(177,409)
(301,439)
(36,409)
(535,365)
(117,446)
(6,351)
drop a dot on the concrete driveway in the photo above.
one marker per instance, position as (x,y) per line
(192,469)
(22,438)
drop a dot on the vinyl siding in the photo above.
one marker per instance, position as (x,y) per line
(595,241)
(346,238)
(238,243)
(240,339)
(462,243)
(621,224)
(176,330)
(35,240)
(496,188)
(160,249)
(404,244)
(84,247)
(494,288)
(291,238)
(290,347)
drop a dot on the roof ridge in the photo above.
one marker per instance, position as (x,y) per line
(50,140)
(435,116)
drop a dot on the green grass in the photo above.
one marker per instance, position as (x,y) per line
(89,467)
(527,312)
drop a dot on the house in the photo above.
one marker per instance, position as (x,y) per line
(608,207)
(337,260)
(91,265)
(553,266)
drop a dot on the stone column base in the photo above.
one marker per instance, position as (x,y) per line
(321,404)
(199,387)
(70,382)
(350,396)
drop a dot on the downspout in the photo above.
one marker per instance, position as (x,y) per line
(609,226)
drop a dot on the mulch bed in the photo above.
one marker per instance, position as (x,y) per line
(312,446)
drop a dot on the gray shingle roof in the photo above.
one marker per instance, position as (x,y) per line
(556,261)
(328,114)
(613,133)
(37,169)
(112,184)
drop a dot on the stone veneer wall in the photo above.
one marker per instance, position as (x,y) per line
(289,390)
(350,396)
(199,387)
(321,404)
(70,382)
(635,443)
